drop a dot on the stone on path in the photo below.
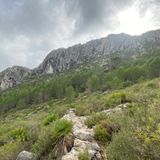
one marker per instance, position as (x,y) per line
(84,139)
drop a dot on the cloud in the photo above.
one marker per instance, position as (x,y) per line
(95,14)
(29,29)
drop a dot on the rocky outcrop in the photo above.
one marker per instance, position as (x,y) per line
(119,109)
(24,155)
(98,50)
(95,51)
(84,139)
(13,76)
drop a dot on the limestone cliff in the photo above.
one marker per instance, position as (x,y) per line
(13,76)
(97,51)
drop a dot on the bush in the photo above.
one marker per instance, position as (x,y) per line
(70,93)
(19,134)
(49,119)
(60,111)
(115,99)
(61,128)
(101,135)
(62,139)
(44,143)
(103,132)
(152,84)
(148,142)
(10,151)
(83,110)
(122,147)
(84,155)
(95,119)
(53,139)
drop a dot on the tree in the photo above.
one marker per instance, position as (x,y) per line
(154,67)
(70,93)
(93,83)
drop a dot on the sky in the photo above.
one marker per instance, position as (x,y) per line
(30,29)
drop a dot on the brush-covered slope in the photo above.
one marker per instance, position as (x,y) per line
(114,114)
(131,134)
(122,73)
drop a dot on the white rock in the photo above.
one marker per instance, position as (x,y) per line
(84,138)
(24,155)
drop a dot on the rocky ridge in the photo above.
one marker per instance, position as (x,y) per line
(96,51)
(13,76)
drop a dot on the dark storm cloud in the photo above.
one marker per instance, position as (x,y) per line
(31,28)
(39,17)
(98,14)
(27,16)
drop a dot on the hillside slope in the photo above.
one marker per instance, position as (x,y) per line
(134,132)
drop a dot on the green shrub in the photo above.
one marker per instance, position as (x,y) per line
(44,143)
(148,141)
(103,132)
(152,84)
(83,110)
(122,147)
(10,151)
(49,119)
(61,128)
(115,99)
(60,111)
(70,93)
(50,139)
(95,119)
(83,155)
(19,134)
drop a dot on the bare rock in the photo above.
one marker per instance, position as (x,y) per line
(84,138)
(13,76)
(24,155)
(63,59)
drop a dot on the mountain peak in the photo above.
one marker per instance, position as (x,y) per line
(95,51)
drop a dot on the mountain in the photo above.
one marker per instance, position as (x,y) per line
(13,76)
(97,51)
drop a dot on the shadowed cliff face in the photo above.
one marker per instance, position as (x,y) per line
(73,57)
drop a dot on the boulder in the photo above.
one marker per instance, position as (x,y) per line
(24,155)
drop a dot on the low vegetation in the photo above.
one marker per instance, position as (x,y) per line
(30,114)
(123,72)
(84,155)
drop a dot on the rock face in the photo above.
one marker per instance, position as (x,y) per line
(84,139)
(97,51)
(13,76)
(24,155)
